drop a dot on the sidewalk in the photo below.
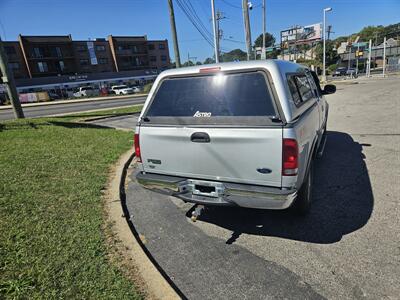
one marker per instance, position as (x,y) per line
(78,100)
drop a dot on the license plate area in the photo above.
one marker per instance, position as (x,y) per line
(206,188)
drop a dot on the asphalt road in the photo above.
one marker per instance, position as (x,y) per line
(347,248)
(47,110)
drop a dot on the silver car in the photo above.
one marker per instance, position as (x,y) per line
(237,134)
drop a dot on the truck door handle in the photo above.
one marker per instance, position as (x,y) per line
(200,137)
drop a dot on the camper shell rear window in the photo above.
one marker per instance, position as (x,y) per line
(238,98)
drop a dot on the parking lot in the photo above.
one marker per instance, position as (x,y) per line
(346,248)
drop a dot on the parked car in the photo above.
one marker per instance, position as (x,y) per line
(86,91)
(54,96)
(240,134)
(351,72)
(136,89)
(122,90)
(339,72)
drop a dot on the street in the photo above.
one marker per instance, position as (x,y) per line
(54,109)
(346,248)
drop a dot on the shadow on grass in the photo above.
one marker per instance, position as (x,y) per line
(21,125)
(342,201)
(37,125)
(77,125)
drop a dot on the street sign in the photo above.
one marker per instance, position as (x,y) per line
(360,44)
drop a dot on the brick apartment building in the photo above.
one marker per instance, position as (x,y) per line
(37,60)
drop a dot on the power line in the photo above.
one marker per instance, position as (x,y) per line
(4,31)
(197,17)
(238,7)
(230,4)
(195,21)
(234,41)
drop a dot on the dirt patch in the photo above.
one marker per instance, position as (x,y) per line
(123,248)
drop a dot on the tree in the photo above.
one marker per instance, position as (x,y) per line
(273,54)
(198,63)
(331,55)
(188,63)
(233,55)
(269,40)
(209,60)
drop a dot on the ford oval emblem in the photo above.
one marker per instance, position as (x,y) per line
(264,170)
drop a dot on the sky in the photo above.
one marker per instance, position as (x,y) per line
(85,19)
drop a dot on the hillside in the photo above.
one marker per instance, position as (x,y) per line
(375,33)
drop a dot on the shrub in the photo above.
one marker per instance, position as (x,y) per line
(332,68)
(147,87)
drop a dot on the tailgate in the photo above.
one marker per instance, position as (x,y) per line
(242,155)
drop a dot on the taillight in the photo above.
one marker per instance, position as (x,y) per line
(137,148)
(290,157)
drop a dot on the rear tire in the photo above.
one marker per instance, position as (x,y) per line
(302,203)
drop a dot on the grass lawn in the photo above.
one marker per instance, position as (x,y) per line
(52,173)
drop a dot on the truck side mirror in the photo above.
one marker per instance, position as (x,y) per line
(329,89)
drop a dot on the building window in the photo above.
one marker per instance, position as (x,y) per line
(81,48)
(123,47)
(103,61)
(163,58)
(161,46)
(151,46)
(37,52)
(62,66)
(10,50)
(58,52)
(13,65)
(100,48)
(153,58)
(83,62)
(42,65)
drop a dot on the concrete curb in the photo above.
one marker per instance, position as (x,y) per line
(76,101)
(88,120)
(158,286)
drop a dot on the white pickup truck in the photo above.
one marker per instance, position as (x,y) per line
(86,91)
(243,134)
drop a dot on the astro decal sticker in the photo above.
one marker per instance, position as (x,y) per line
(199,114)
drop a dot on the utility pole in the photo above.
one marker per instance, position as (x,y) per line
(219,31)
(369,58)
(174,36)
(8,81)
(216,33)
(349,62)
(329,31)
(263,54)
(245,8)
(357,54)
(324,47)
(384,56)
(189,58)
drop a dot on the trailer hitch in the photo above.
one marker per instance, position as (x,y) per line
(197,212)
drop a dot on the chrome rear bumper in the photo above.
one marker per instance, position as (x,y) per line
(223,193)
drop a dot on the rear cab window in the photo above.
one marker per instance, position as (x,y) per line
(219,98)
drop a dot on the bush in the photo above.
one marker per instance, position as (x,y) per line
(147,87)
(332,68)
